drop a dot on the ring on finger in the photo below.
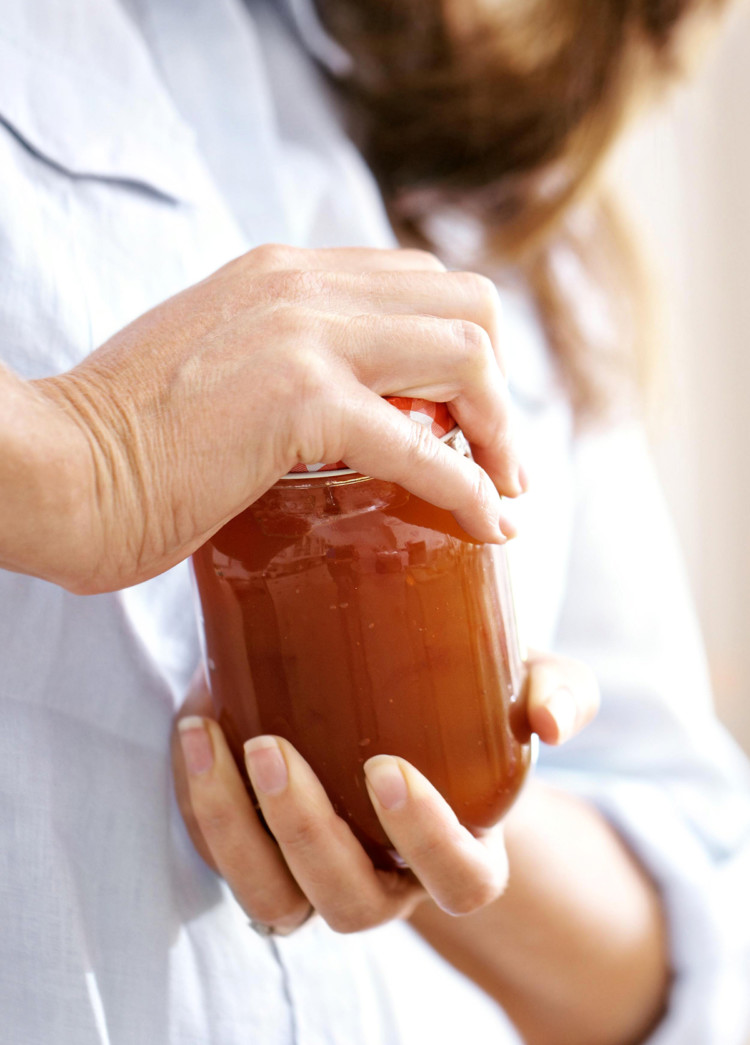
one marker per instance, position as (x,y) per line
(264,929)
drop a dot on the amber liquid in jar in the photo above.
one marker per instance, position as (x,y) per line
(355,619)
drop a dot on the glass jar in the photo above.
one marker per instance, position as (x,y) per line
(352,618)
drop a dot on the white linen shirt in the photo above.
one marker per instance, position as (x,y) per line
(143,143)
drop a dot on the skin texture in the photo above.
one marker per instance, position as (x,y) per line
(121,467)
(594,969)
(575,950)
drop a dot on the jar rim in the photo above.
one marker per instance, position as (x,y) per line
(321,471)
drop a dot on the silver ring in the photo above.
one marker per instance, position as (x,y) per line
(263,929)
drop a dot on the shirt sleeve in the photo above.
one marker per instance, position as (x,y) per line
(656,761)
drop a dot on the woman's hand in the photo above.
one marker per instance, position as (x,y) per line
(316,863)
(190,413)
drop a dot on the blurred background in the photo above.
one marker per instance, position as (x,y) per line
(684,175)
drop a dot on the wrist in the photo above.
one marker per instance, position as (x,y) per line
(579,909)
(46,516)
(120,488)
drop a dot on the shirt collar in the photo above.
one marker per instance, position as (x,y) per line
(316,38)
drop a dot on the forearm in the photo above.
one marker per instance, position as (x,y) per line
(575,950)
(42,492)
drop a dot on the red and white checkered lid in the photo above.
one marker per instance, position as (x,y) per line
(435,416)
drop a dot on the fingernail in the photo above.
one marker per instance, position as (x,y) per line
(523,478)
(508,528)
(561,704)
(266,765)
(196,745)
(506,518)
(386,780)
(493,533)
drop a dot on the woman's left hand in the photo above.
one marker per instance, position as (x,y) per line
(315,862)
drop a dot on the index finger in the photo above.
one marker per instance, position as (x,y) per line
(274,257)
(384,443)
(475,295)
(460,872)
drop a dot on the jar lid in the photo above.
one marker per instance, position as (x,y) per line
(435,416)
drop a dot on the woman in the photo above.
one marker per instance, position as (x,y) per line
(144,146)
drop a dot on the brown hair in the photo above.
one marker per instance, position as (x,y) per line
(502,110)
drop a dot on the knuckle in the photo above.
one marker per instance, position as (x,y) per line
(422,447)
(473,342)
(272,909)
(486,291)
(427,847)
(354,918)
(500,436)
(581,678)
(272,256)
(309,384)
(485,493)
(213,816)
(480,289)
(299,333)
(301,835)
(483,890)
(423,259)
(290,285)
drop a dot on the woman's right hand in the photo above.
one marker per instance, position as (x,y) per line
(191,412)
